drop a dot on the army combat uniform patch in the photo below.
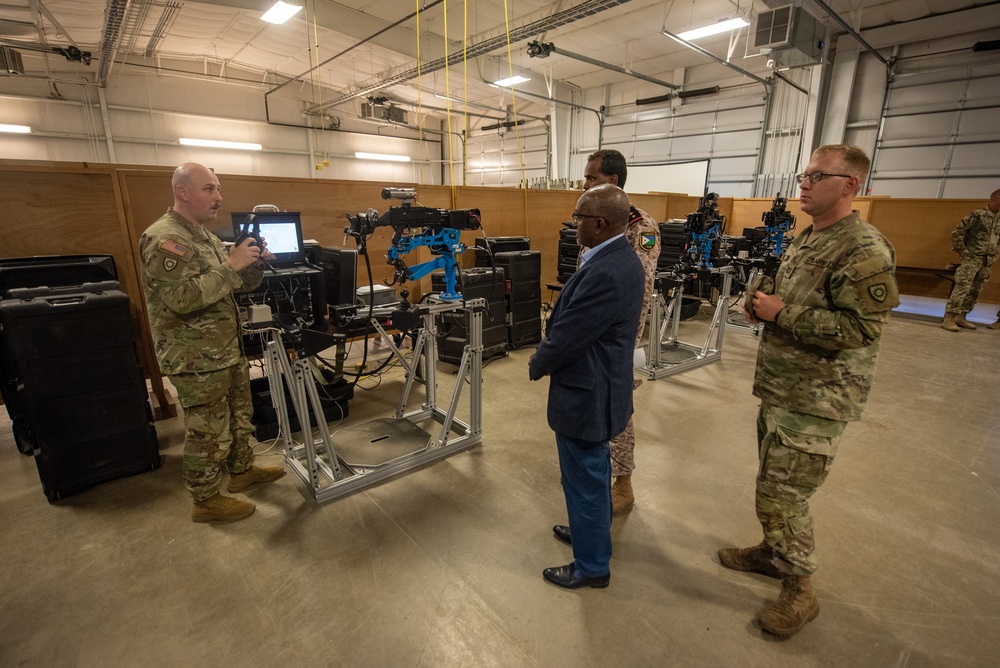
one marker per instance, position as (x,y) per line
(878,292)
(648,242)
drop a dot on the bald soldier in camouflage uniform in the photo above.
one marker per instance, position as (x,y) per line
(975,240)
(188,279)
(832,296)
(643,233)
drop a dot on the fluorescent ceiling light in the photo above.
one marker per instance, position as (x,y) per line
(513,81)
(281,12)
(382,156)
(17,129)
(214,143)
(714,29)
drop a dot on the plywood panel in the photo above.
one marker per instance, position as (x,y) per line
(920,229)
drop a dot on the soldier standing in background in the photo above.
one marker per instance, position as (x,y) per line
(188,279)
(643,234)
(975,240)
(832,296)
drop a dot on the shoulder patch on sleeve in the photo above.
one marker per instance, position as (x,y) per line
(174,248)
(647,242)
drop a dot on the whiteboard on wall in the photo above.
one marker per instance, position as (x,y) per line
(674,177)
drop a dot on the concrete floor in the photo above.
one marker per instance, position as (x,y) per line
(442,566)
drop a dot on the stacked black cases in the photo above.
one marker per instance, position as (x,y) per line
(524,296)
(673,242)
(81,385)
(453,333)
(569,255)
(30,272)
(498,245)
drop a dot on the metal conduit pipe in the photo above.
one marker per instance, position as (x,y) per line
(851,31)
(721,61)
(543,50)
(567,16)
(114,16)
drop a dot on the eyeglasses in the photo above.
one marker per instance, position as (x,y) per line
(816,177)
(578,216)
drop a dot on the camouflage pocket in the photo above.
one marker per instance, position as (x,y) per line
(786,464)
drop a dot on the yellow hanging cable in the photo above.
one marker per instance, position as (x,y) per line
(517,132)
(465,84)
(447,93)
(420,112)
(309,50)
(320,87)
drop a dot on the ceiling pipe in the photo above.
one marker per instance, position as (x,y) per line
(111,35)
(852,32)
(583,10)
(721,61)
(542,50)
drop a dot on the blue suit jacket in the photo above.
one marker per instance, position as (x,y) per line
(588,346)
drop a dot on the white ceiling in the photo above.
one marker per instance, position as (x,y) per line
(224,36)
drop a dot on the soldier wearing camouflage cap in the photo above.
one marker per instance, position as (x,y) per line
(188,279)
(977,241)
(823,323)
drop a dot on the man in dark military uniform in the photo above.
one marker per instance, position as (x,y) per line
(823,323)
(977,242)
(188,279)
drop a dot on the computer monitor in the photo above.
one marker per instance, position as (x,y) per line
(281,230)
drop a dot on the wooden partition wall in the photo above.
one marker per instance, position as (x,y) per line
(78,208)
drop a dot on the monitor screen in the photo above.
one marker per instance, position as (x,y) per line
(281,230)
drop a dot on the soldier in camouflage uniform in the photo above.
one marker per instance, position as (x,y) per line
(188,279)
(643,233)
(975,240)
(832,296)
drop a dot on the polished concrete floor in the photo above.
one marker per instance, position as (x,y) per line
(442,566)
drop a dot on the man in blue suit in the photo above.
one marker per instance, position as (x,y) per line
(587,351)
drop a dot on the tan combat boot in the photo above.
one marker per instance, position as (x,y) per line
(796,606)
(221,508)
(949,323)
(756,559)
(963,323)
(255,474)
(622,498)
(995,325)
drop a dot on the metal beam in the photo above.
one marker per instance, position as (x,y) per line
(721,61)
(551,48)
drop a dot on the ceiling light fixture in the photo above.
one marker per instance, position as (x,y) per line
(714,29)
(215,143)
(280,12)
(16,129)
(382,156)
(513,81)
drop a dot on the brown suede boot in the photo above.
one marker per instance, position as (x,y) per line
(963,323)
(756,559)
(622,498)
(221,508)
(950,322)
(255,474)
(796,606)
(994,325)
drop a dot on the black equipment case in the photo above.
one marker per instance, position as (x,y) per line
(77,377)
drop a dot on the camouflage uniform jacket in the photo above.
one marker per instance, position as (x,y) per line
(838,285)
(643,235)
(188,285)
(977,234)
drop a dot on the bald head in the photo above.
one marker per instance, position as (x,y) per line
(603,213)
(197,193)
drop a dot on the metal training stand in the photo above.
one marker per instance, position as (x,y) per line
(665,357)
(359,456)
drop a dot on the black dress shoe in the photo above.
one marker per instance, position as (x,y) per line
(566,576)
(562,533)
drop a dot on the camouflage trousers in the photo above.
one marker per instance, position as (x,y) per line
(623,445)
(217,412)
(970,277)
(796,452)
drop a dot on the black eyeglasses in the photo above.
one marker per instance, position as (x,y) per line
(577,216)
(816,177)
